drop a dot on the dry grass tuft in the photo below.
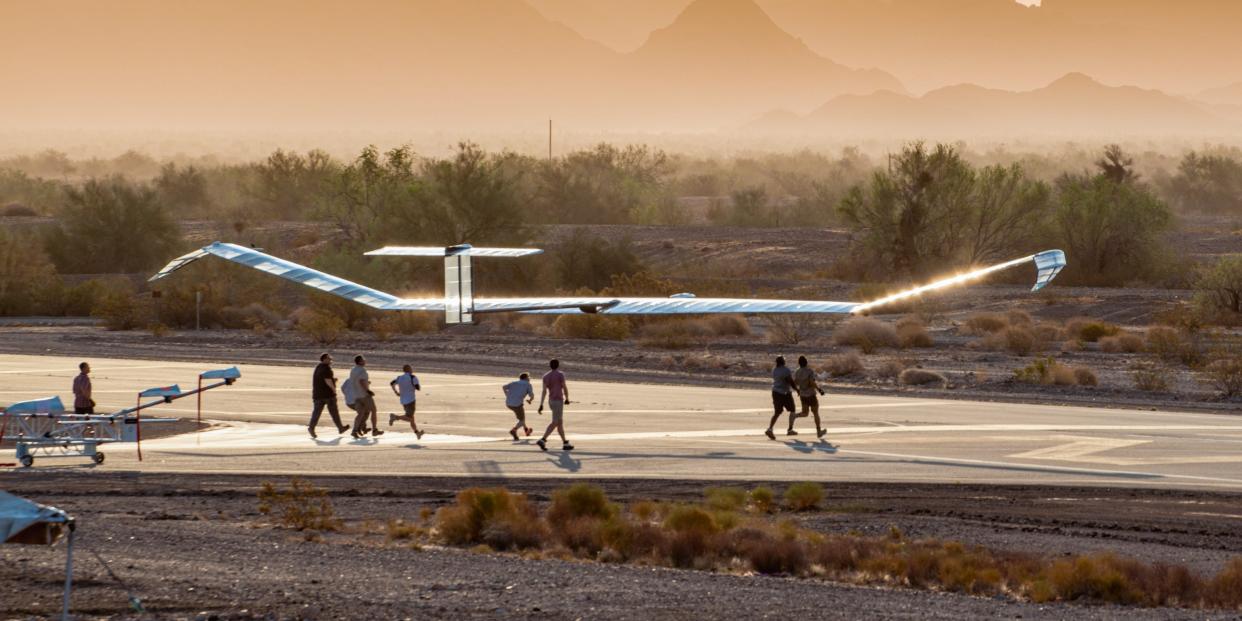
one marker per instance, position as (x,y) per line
(1049,372)
(866,334)
(1224,373)
(725,498)
(1089,330)
(302,507)
(804,496)
(490,516)
(842,365)
(890,369)
(762,499)
(984,324)
(912,332)
(594,327)
(921,377)
(1017,340)
(1150,378)
(580,500)
(1123,343)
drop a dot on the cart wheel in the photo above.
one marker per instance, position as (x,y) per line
(27,461)
(98,458)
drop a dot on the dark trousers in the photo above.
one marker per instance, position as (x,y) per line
(332,411)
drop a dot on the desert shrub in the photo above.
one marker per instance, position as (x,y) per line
(583,535)
(675,333)
(685,549)
(476,509)
(580,500)
(302,506)
(921,377)
(776,556)
(842,365)
(1018,318)
(112,226)
(121,309)
(804,496)
(1123,343)
(890,369)
(17,210)
(686,518)
(911,332)
(729,325)
(253,315)
(1224,374)
(1093,577)
(1225,590)
(985,323)
(1150,378)
(1047,332)
(514,532)
(866,334)
(1173,345)
(594,327)
(1218,290)
(1049,372)
(1085,377)
(322,327)
(25,271)
(405,323)
(1017,340)
(725,498)
(397,530)
(791,329)
(1089,330)
(762,499)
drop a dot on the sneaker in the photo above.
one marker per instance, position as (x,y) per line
(355,436)
(769,434)
(567,447)
(419,434)
(528,431)
(312,432)
(364,430)
(791,432)
(391,418)
(513,432)
(377,432)
(343,429)
(543,446)
(822,432)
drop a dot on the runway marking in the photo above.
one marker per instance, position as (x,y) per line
(71,372)
(1078,449)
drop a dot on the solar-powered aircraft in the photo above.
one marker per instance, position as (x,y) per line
(460,305)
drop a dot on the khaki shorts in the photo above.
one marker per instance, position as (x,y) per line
(519,411)
(364,405)
(558,411)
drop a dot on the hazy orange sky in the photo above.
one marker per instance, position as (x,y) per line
(456,66)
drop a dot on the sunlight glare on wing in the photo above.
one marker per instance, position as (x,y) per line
(940,284)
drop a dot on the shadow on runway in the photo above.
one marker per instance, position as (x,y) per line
(822,446)
(333,442)
(566,462)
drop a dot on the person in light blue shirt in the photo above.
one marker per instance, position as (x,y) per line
(515,393)
(406,387)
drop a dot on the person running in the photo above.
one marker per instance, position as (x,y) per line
(359,387)
(406,388)
(782,397)
(557,393)
(804,381)
(83,402)
(515,392)
(323,394)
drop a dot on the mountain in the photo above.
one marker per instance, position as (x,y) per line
(1073,106)
(1228,95)
(622,25)
(1181,46)
(721,60)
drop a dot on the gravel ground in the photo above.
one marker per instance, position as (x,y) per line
(194,545)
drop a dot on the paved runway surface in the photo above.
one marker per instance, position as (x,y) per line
(629,430)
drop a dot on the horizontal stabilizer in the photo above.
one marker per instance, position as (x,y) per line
(461,250)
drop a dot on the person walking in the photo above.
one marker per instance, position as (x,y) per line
(782,397)
(804,381)
(557,393)
(406,387)
(358,388)
(515,393)
(83,402)
(323,394)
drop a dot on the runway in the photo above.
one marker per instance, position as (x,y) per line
(634,430)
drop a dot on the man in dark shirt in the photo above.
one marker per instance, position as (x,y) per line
(323,393)
(782,397)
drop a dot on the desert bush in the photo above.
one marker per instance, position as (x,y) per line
(1124,342)
(1093,577)
(17,210)
(842,365)
(804,496)
(890,369)
(866,334)
(984,323)
(1218,290)
(1173,345)
(1049,372)
(1046,332)
(397,530)
(1018,318)
(791,329)
(478,509)
(911,332)
(1150,378)
(594,327)
(514,532)
(322,327)
(729,325)
(771,556)
(405,323)
(580,500)
(675,333)
(1224,373)
(921,377)
(762,499)
(1017,340)
(725,498)
(687,518)
(302,506)
(1225,590)
(1089,330)
(112,226)
(121,309)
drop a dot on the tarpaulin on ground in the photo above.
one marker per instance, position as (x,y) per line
(24,521)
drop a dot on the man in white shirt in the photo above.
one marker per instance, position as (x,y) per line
(359,389)
(406,388)
(515,393)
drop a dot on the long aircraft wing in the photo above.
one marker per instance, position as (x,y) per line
(1048,264)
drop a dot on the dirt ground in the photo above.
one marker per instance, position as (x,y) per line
(194,546)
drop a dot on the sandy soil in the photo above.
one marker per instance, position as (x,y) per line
(194,546)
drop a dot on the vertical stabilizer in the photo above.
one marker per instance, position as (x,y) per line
(458,289)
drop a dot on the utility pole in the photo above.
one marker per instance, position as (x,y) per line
(549,140)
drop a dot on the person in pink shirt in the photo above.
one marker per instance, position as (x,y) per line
(557,393)
(83,403)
